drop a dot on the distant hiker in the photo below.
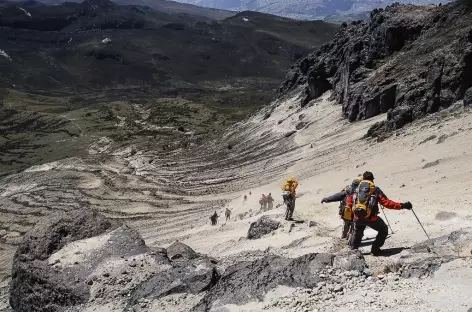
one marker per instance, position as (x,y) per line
(245,197)
(270,201)
(228,214)
(289,194)
(365,207)
(344,212)
(263,202)
(214,218)
(250,193)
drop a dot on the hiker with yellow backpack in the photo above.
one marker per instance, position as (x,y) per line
(344,212)
(365,208)
(288,195)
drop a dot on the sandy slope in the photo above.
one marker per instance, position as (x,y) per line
(167,203)
(440,194)
(339,153)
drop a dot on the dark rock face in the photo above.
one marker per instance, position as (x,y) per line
(263,226)
(34,285)
(246,281)
(190,277)
(407,61)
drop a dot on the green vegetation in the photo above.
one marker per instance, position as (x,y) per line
(64,86)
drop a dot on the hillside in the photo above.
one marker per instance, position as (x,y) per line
(307,9)
(77,70)
(166,6)
(125,226)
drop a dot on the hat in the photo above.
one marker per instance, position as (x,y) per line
(368,176)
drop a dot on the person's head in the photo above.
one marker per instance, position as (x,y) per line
(289,180)
(270,194)
(369,176)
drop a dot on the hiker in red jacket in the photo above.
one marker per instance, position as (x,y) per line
(365,207)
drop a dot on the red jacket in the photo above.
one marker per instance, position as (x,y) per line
(381,199)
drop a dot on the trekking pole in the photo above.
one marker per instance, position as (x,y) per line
(420,224)
(383,210)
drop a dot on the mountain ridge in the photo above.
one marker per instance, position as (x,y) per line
(305,9)
(165,6)
(407,61)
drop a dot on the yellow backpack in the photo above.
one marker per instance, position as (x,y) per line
(347,214)
(364,199)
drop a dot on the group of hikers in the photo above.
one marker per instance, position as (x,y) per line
(214,217)
(266,202)
(359,207)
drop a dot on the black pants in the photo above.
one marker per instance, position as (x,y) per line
(377,225)
(291,208)
(346,227)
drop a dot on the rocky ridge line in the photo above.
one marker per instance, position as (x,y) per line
(407,61)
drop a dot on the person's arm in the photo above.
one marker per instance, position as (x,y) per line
(387,203)
(335,197)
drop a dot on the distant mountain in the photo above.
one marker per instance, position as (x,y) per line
(165,6)
(53,44)
(305,9)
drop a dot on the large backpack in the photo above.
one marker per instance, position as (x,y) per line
(286,194)
(364,199)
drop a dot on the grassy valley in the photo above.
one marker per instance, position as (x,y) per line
(75,72)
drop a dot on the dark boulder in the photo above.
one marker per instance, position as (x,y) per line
(263,226)
(35,284)
(247,281)
(179,250)
(189,276)
(368,76)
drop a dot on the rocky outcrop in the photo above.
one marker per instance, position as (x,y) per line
(82,260)
(179,250)
(263,226)
(407,61)
(35,285)
(247,281)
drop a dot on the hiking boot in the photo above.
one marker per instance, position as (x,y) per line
(289,219)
